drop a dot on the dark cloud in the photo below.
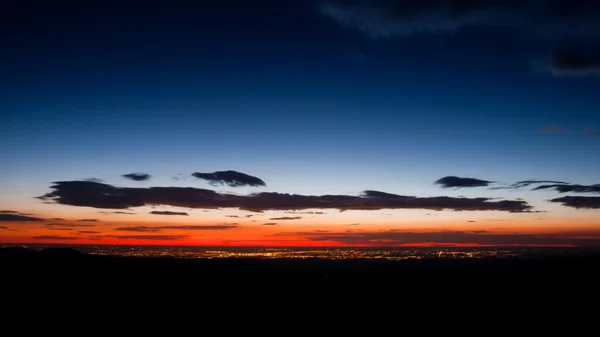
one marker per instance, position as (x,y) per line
(564,188)
(118,212)
(88,220)
(148,237)
(270,224)
(579,202)
(569,29)
(88,232)
(54,237)
(296,212)
(575,63)
(187,228)
(60,228)
(458,182)
(232,216)
(393,238)
(526,183)
(230,178)
(592,132)
(551,129)
(471,221)
(90,194)
(17,217)
(137,229)
(287,218)
(69,225)
(56,219)
(137,176)
(94,180)
(11,212)
(168,213)
(3,227)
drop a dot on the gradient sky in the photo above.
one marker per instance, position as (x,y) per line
(313,98)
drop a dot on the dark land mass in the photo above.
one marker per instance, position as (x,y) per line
(69,266)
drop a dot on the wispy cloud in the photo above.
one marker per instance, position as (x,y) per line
(287,218)
(395,238)
(569,29)
(592,132)
(54,237)
(187,228)
(564,188)
(168,213)
(68,225)
(269,223)
(17,217)
(551,129)
(149,237)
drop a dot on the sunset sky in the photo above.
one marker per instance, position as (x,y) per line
(300,123)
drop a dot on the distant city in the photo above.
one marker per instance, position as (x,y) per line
(393,254)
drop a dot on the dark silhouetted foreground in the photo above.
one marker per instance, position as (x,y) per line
(72,266)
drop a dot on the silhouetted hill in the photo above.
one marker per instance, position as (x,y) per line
(61,253)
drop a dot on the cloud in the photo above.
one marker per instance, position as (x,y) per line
(232,216)
(149,237)
(90,194)
(551,129)
(69,225)
(118,212)
(137,176)
(11,212)
(395,238)
(17,217)
(287,218)
(188,228)
(270,224)
(564,188)
(230,178)
(579,202)
(569,29)
(575,63)
(56,219)
(457,182)
(88,232)
(88,220)
(592,132)
(95,180)
(60,228)
(526,183)
(54,237)
(168,213)
(296,212)
(137,229)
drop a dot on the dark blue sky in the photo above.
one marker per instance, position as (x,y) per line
(310,95)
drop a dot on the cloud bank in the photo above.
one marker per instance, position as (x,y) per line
(98,195)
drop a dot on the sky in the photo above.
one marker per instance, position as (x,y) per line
(300,123)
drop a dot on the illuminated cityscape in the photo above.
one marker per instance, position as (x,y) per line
(392,254)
